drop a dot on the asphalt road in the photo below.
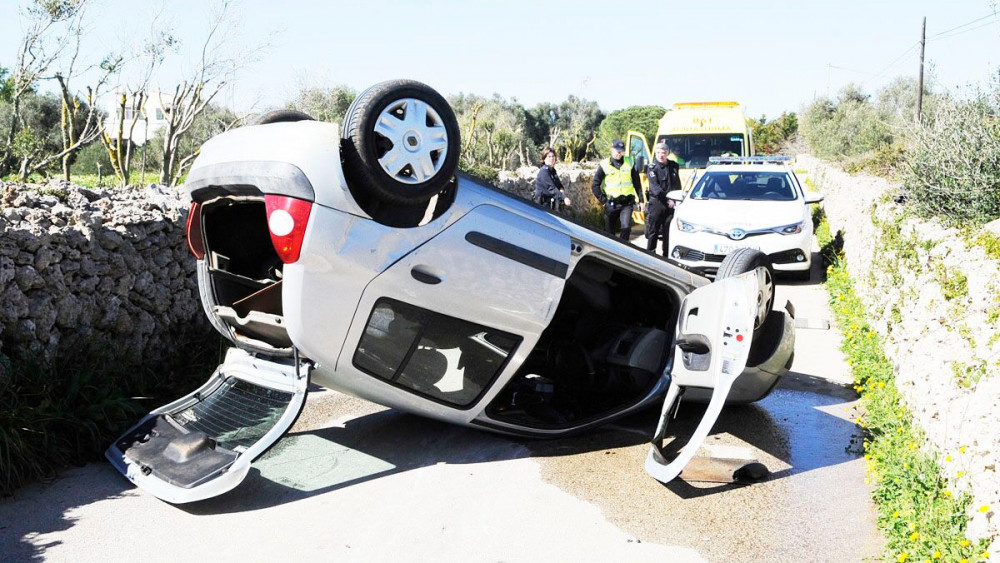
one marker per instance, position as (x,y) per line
(354,481)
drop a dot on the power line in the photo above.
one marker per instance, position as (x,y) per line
(937,37)
(991,15)
(897,60)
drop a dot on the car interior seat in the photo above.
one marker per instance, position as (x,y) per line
(776,185)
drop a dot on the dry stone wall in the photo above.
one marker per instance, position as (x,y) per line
(933,298)
(82,267)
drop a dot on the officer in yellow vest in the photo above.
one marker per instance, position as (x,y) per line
(621,190)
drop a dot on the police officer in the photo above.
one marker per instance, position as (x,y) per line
(621,190)
(664,176)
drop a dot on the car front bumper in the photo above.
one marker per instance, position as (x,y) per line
(704,252)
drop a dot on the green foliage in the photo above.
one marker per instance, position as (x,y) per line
(954,284)
(644,119)
(769,136)
(921,514)
(485,172)
(569,127)
(990,243)
(493,131)
(89,156)
(37,132)
(67,413)
(831,246)
(324,104)
(952,169)
(882,161)
(6,85)
(848,127)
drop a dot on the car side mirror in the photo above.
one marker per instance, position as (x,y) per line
(813,197)
(676,195)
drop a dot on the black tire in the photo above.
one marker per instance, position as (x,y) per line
(363,146)
(743,260)
(283,116)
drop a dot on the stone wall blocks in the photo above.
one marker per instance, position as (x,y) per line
(6,270)
(28,278)
(13,304)
(109,239)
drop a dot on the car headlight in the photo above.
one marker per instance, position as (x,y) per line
(792,229)
(685,227)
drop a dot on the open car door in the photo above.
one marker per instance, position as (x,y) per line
(638,149)
(714,333)
(201,445)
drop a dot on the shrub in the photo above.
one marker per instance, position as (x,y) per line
(617,124)
(770,136)
(849,127)
(69,411)
(952,169)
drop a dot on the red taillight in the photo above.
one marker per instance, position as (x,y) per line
(286,219)
(196,242)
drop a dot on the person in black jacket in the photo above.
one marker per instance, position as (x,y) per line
(621,188)
(664,176)
(549,191)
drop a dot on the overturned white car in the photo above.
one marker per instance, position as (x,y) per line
(366,264)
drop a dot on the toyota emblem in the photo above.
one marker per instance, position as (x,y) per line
(737,234)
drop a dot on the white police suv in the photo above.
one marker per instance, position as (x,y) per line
(744,202)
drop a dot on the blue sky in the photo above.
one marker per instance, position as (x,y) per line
(772,56)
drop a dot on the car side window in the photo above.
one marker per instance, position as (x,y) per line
(446,359)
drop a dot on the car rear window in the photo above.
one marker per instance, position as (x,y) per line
(749,186)
(440,357)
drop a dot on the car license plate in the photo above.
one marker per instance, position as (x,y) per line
(727,248)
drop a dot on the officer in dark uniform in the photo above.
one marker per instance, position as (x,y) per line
(664,176)
(621,188)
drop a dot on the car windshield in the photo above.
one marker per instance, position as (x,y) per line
(752,186)
(693,151)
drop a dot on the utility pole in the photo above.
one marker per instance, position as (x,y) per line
(920,83)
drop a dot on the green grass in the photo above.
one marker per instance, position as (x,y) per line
(68,412)
(990,243)
(921,514)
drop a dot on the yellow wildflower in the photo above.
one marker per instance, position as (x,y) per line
(948,459)
(959,474)
(947,493)
(902,557)
(895,514)
(985,555)
(984,508)
(937,555)
(964,543)
(881,384)
(962,449)
(914,536)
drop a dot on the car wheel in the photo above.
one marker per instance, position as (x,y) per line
(283,116)
(401,142)
(743,260)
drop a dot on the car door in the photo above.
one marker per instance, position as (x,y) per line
(638,148)
(440,324)
(714,333)
(201,445)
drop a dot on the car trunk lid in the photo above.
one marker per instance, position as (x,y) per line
(202,445)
